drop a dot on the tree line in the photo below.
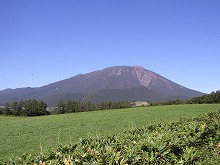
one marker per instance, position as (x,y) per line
(211,98)
(33,107)
(79,106)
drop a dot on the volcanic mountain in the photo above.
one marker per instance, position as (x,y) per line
(118,83)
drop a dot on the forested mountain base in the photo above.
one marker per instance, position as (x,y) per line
(188,141)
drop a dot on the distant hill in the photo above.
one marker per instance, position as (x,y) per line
(118,83)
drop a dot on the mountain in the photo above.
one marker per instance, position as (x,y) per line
(118,83)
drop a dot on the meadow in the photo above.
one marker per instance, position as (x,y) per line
(20,135)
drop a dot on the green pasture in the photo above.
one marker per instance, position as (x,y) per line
(20,135)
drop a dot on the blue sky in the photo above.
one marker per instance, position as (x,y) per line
(43,41)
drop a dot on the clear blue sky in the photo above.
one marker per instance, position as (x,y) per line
(43,41)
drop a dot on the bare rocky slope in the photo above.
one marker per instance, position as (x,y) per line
(118,83)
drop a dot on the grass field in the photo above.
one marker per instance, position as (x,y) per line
(21,135)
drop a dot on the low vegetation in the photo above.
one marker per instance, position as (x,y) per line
(36,135)
(187,141)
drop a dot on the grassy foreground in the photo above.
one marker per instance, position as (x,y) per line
(36,135)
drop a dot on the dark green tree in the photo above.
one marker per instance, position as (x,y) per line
(61,107)
(7,109)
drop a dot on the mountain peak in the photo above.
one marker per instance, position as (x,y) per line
(116,83)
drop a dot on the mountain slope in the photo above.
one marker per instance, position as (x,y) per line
(131,94)
(110,84)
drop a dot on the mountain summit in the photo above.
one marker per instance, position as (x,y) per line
(118,83)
